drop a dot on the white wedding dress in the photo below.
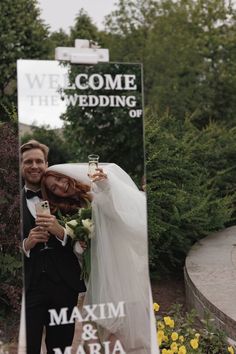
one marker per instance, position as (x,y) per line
(119,258)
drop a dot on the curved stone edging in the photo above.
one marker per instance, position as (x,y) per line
(210,278)
(197,301)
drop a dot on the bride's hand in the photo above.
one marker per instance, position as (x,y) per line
(50,224)
(99,175)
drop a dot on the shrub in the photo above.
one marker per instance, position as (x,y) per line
(10,257)
(190,186)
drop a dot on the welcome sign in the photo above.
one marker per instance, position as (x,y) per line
(86,270)
(41,85)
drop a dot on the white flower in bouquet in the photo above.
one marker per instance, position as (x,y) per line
(88,224)
(69,226)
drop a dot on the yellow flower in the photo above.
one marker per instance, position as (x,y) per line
(159,340)
(156,307)
(169,322)
(164,351)
(160,336)
(160,325)
(172,324)
(182,350)
(174,336)
(181,339)
(194,343)
(167,319)
(197,335)
(231,350)
(174,347)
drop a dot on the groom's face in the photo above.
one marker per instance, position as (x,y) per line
(33,166)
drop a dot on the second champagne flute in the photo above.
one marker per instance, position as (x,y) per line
(92,164)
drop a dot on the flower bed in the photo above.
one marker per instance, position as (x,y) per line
(184,334)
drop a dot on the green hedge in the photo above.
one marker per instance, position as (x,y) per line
(190,185)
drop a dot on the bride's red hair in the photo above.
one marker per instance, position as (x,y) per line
(66,204)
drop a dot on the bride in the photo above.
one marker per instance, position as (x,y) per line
(119,255)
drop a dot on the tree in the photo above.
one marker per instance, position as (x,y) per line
(23,36)
(83,28)
(58,39)
(188,51)
(193,65)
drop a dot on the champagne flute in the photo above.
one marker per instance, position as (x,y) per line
(92,165)
(42,207)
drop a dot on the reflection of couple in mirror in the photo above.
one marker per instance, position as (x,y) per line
(118,254)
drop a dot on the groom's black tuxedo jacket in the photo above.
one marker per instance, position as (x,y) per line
(59,262)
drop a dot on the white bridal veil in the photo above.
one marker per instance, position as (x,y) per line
(119,257)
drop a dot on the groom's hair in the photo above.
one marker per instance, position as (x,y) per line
(34,144)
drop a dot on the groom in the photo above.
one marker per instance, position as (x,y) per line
(52,275)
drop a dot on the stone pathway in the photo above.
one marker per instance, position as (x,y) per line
(210,277)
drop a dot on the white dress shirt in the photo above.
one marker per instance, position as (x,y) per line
(31,206)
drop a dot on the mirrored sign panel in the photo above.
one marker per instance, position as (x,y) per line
(83,208)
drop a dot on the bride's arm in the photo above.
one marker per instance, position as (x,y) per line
(118,198)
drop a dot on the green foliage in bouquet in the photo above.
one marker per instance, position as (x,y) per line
(80,228)
(190,185)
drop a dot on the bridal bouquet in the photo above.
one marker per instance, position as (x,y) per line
(80,228)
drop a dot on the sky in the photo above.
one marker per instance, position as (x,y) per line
(61,13)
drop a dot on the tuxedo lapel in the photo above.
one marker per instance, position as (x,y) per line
(28,219)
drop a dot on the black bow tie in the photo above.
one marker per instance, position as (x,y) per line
(31,194)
